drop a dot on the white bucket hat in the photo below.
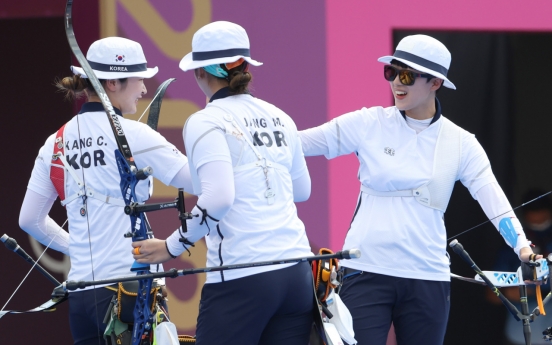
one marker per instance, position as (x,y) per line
(425,54)
(116,58)
(217,43)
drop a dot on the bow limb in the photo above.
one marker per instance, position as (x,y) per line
(153,120)
(153,116)
(127,168)
(155,104)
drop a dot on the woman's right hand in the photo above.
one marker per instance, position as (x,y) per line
(152,251)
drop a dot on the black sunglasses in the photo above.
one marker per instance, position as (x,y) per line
(407,77)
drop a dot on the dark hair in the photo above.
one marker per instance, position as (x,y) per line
(238,78)
(403,65)
(399,63)
(75,87)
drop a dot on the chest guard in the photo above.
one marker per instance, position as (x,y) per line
(436,192)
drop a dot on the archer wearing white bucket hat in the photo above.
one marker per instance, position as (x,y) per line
(116,58)
(78,165)
(121,67)
(248,168)
(218,43)
(425,54)
(410,157)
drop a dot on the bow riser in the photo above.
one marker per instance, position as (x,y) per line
(143,316)
(506,279)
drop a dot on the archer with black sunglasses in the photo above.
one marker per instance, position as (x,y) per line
(410,157)
(406,76)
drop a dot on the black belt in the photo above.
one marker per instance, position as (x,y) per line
(349,272)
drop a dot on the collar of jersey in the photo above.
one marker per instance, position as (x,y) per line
(91,107)
(437,112)
(222,93)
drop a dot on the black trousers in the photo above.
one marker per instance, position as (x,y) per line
(418,308)
(267,308)
(86,313)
